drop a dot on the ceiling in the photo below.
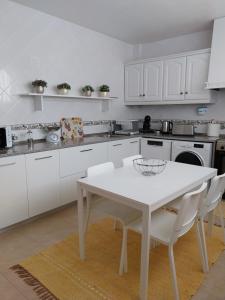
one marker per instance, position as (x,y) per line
(135,21)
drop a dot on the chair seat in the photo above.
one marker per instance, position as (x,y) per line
(115,210)
(162,225)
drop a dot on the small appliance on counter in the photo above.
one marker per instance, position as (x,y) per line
(183,129)
(5,137)
(147,125)
(213,129)
(53,135)
(127,127)
(166,127)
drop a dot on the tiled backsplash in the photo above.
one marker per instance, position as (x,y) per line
(39,130)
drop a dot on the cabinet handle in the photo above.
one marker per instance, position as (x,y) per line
(86,150)
(181,93)
(117,145)
(143,95)
(186,93)
(140,95)
(8,164)
(44,157)
(133,142)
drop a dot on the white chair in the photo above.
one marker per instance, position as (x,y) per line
(128,161)
(106,207)
(167,227)
(211,202)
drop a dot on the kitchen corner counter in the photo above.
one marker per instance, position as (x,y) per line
(41,146)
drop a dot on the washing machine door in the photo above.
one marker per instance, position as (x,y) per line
(189,157)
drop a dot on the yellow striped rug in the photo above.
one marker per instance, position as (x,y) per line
(58,273)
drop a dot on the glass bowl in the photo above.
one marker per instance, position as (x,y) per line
(149,167)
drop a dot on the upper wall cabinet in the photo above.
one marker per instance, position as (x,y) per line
(143,82)
(153,80)
(174,79)
(196,76)
(177,79)
(134,82)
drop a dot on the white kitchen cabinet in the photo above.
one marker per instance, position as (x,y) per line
(42,181)
(196,76)
(123,148)
(74,162)
(77,159)
(153,81)
(156,148)
(68,188)
(174,79)
(13,191)
(134,82)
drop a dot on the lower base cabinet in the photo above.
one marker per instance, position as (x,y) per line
(68,188)
(42,181)
(123,148)
(13,191)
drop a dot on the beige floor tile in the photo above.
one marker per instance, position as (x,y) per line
(9,291)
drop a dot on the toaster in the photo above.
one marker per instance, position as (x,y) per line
(183,129)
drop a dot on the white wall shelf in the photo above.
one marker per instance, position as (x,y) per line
(39,99)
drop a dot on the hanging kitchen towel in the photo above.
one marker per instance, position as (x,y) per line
(72,128)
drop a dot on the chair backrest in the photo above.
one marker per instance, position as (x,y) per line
(188,211)
(100,169)
(214,195)
(128,161)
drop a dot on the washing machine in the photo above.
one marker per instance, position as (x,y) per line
(193,153)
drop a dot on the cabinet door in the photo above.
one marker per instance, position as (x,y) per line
(68,188)
(42,181)
(121,149)
(13,191)
(132,147)
(196,76)
(77,159)
(174,79)
(134,82)
(117,151)
(153,81)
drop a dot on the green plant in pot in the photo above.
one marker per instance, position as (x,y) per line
(39,86)
(87,90)
(104,90)
(63,88)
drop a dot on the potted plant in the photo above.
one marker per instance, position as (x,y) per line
(87,90)
(104,90)
(63,88)
(39,86)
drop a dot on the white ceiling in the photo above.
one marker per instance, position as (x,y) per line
(135,21)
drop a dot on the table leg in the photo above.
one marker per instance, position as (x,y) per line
(80,213)
(145,247)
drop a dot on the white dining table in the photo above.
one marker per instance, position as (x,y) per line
(146,193)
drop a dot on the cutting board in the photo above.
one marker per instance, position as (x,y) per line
(72,128)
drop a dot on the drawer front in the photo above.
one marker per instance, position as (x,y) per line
(78,159)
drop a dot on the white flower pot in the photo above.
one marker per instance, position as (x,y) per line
(39,89)
(103,94)
(88,93)
(63,91)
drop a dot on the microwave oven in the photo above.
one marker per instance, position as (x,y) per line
(5,137)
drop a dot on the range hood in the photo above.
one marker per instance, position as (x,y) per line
(216,78)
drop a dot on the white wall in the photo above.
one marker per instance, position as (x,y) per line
(34,45)
(189,42)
